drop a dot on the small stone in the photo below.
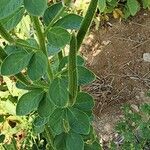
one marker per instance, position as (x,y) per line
(146,57)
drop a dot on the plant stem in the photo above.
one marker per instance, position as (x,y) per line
(54,19)
(72,70)
(3,54)
(49,137)
(42,45)
(6,35)
(86,22)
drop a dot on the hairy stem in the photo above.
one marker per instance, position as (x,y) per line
(72,70)
(49,138)
(6,35)
(42,43)
(86,22)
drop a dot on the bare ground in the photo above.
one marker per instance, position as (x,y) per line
(115,54)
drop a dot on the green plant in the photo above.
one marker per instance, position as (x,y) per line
(62,112)
(135,128)
(126,7)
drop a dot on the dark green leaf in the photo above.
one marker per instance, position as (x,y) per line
(58,37)
(94,146)
(35,7)
(56,121)
(29,102)
(46,107)
(15,63)
(74,141)
(79,121)
(71,21)
(133,6)
(84,102)
(85,76)
(2,138)
(60,141)
(58,92)
(64,61)
(37,66)
(11,21)
(39,121)
(51,12)
(38,129)
(8,7)
(9,49)
(52,50)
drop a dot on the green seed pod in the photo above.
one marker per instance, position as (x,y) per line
(72,72)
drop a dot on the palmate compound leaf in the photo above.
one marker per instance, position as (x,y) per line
(35,7)
(11,21)
(70,21)
(78,121)
(8,7)
(37,66)
(58,92)
(58,37)
(15,63)
(29,102)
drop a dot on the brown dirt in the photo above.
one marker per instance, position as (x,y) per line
(115,54)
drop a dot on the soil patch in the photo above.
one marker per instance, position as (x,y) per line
(115,54)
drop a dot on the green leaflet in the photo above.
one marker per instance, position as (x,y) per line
(52,50)
(101,5)
(9,49)
(74,141)
(85,76)
(56,121)
(58,92)
(8,7)
(64,62)
(84,102)
(51,12)
(46,107)
(15,63)
(11,21)
(69,141)
(39,121)
(58,37)
(79,121)
(133,6)
(29,102)
(146,4)
(71,21)
(35,7)
(94,146)
(60,141)
(37,66)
